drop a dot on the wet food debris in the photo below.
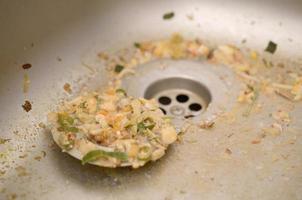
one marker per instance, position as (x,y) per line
(26,66)
(27,106)
(67,88)
(168,15)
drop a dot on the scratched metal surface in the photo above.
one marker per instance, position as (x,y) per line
(60,38)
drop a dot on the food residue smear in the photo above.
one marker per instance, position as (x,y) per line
(113,129)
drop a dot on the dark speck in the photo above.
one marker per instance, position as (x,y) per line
(169,15)
(27,106)
(26,66)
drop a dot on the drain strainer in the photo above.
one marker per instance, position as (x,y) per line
(179,97)
(185,88)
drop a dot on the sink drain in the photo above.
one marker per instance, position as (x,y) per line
(179,97)
(185,88)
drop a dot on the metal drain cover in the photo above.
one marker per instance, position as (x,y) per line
(180,97)
(185,88)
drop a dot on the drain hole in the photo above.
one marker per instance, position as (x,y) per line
(164,111)
(182,98)
(164,100)
(195,107)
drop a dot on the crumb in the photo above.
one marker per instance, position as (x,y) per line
(27,106)
(67,88)
(38,158)
(59,59)
(207,124)
(103,56)
(42,125)
(257,141)
(26,66)
(2,172)
(3,141)
(43,154)
(228,151)
(23,156)
(26,83)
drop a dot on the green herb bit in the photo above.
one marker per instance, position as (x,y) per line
(96,154)
(118,68)
(3,141)
(83,104)
(137,45)
(144,125)
(271,47)
(120,90)
(68,129)
(141,127)
(65,119)
(169,15)
(251,106)
(66,123)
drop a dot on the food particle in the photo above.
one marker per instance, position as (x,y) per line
(132,131)
(26,66)
(207,124)
(271,47)
(26,83)
(27,106)
(137,45)
(168,15)
(3,141)
(257,141)
(118,68)
(96,154)
(42,125)
(228,151)
(67,88)
(254,55)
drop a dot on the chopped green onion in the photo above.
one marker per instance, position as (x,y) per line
(144,125)
(271,47)
(3,141)
(64,118)
(66,123)
(120,90)
(137,45)
(68,129)
(96,154)
(150,127)
(169,15)
(141,127)
(83,104)
(144,153)
(118,68)
(66,141)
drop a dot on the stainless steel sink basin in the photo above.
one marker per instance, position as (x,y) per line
(60,39)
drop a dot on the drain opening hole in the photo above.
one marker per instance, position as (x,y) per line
(195,107)
(164,100)
(163,110)
(182,98)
